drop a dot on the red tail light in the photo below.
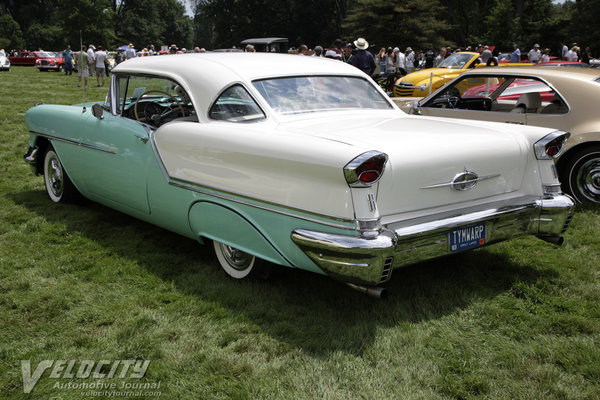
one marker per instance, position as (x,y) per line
(366,169)
(551,145)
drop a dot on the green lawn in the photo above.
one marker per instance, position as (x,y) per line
(517,320)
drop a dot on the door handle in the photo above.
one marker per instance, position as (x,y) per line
(515,122)
(143,139)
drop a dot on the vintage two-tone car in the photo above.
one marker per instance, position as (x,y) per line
(299,161)
(561,98)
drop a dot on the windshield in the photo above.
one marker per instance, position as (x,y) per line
(320,93)
(456,61)
(45,54)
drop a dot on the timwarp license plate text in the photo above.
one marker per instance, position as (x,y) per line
(467,237)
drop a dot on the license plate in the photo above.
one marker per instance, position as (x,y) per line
(467,237)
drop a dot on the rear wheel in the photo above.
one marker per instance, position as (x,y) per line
(581,175)
(58,184)
(238,264)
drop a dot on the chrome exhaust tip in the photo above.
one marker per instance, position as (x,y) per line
(373,291)
(557,240)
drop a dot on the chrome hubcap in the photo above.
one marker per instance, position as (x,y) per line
(55,177)
(588,179)
(236,258)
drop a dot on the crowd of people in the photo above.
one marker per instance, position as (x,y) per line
(390,62)
(94,61)
(393,61)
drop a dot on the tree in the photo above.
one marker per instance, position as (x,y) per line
(585,17)
(414,23)
(224,23)
(145,22)
(11,36)
(93,18)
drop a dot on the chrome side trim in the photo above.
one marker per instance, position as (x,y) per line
(467,181)
(73,142)
(205,190)
(163,169)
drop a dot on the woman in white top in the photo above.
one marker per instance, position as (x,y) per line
(546,55)
(572,54)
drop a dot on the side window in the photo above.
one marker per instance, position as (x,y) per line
(236,105)
(530,96)
(501,94)
(153,100)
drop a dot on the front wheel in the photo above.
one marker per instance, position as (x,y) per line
(58,184)
(238,264)
(581,175)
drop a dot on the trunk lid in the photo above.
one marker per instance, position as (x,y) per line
(427,154)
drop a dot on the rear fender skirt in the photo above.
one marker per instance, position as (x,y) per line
(225,225)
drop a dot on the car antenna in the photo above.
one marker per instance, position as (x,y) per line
(83,87)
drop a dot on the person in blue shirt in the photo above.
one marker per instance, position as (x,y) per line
(515,56)
(68,57)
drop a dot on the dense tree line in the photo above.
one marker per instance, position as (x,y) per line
(51,24)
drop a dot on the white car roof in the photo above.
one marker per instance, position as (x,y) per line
(205,75)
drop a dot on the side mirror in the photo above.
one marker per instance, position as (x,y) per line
(97,111)
(415,108)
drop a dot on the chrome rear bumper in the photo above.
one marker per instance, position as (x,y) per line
(370,259)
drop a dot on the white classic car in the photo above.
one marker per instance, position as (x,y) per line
(299,161)
(4,61)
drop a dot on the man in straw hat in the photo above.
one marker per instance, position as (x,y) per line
(363,60)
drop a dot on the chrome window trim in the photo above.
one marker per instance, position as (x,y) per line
(128,75)
(218,96)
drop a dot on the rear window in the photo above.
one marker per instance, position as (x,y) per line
(303,94)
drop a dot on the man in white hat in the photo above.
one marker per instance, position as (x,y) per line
(92,59)
(535,54)
(410,60)
(400,61)
(363,60)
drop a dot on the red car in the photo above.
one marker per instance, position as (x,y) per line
(24,58)
(43,60)
(50,62)
(514,90)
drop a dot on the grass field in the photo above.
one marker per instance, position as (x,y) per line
(517,320)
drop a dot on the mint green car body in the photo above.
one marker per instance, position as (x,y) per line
(121,171)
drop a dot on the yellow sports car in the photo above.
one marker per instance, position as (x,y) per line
(422,83)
